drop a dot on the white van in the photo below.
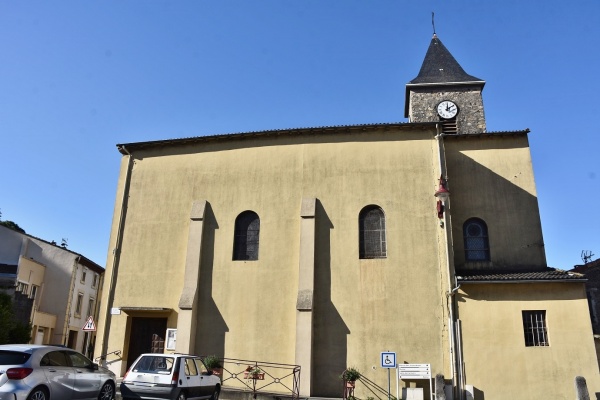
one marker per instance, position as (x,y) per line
(169,376)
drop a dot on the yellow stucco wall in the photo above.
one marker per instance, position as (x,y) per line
(498,363)
(492,178)
(247,309)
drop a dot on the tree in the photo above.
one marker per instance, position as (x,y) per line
(6,317)
(12,225)
(11,331)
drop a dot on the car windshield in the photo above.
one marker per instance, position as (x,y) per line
(157,364)
(13,357)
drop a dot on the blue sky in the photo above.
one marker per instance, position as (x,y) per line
(78,77)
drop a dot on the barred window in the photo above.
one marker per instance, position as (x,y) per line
(247,231)
(371,226)
(534,327)
(477,246)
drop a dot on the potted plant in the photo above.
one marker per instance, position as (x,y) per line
(254,372)
(213,363)
(350,376)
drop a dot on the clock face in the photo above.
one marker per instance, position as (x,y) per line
(447,109)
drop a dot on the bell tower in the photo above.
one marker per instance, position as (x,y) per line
(444,92)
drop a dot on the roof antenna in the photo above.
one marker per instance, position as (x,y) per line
(433,23)
(586,256)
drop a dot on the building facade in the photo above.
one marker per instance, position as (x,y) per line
(63,289)
(324,247)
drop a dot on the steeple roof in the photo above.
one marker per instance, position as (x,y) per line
(440,67)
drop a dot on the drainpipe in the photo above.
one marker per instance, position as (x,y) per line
(67,323)
(116,258)
(451,289)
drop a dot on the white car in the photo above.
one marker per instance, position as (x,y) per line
(38,372)
(170,376)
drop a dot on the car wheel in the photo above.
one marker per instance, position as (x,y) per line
(181,396)
(215,395)
(107,392)
(38,393)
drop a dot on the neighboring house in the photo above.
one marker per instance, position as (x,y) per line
(591,271)
(323,247)
(54,289)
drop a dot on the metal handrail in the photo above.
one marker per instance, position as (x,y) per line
(378,392)
(103,356)
(261,376)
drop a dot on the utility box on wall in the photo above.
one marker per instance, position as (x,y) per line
(412,394)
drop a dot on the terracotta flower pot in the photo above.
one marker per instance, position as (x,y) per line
(258,376)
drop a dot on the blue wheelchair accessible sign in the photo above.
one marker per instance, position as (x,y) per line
(388,360)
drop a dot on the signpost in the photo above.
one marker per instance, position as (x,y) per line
(388,360)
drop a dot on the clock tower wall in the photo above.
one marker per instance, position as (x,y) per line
(470,118)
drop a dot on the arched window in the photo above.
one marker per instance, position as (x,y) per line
(247,231)
(371,226)
(477,247)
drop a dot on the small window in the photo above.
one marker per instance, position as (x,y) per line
(154,364)
(201,367)
(190,367)
(477,246)
(371,226)
(534,327)
(79,303)
(247,232)
(8,357)
(83,275)
(90,310)
(54,359)
(95,280)
(78,360)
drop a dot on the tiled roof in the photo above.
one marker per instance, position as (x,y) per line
(439,66)
(538,276)
(124,147)
(587,267)
(82,259)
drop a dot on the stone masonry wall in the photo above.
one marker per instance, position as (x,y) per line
(470,118)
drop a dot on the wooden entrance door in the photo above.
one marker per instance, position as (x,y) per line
(147,336)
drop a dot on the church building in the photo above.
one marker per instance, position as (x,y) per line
(324,247)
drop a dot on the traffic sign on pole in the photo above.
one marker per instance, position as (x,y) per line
(89,325)
(388,359)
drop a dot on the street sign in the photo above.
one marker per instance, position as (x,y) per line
(89,325)
(414,371)
(388,359)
